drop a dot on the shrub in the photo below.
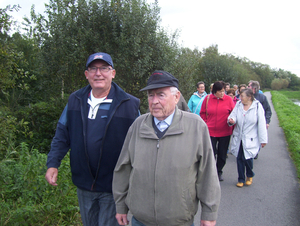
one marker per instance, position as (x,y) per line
(278,84)
(42,118)
(27,198)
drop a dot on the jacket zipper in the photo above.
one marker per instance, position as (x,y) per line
(101,149)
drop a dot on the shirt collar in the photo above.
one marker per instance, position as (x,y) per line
(168,120)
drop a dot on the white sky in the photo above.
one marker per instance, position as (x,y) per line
(264,31)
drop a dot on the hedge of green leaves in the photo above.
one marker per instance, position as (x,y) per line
(27,198)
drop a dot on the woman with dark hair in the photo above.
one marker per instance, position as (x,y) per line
(215,110)
(231,93)
(249,133)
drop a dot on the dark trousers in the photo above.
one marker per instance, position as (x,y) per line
(220,147)
(243,163)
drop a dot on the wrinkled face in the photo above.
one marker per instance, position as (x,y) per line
(244,98)
(201,88)
(162,102)
(100,75)
(220,93)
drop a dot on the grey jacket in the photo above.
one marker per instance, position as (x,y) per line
(162,180)
(249,128)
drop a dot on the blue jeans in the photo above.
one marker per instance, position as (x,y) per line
(243,163)
(97,208)
(135,222)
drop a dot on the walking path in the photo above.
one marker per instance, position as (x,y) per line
(273,198)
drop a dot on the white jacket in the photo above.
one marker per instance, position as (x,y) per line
(250,128)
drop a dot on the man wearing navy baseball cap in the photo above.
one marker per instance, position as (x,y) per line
(167,164)
(93,126)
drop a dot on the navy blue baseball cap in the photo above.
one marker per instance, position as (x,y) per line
(100,56)
(160,79)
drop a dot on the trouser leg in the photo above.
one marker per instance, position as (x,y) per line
(240,160)
(222,153)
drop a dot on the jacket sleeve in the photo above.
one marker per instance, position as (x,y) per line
(190,104)
(61,142)
(121,176)
(233,114)
(207,184)
(262,129)
(267,108)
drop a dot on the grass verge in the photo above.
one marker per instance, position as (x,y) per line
(288,116)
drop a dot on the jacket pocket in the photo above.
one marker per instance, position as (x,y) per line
(251,142)
(189,200)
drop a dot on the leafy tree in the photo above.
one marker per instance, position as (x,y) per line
(73,29)
(215,67)
(185,68)
(264,72)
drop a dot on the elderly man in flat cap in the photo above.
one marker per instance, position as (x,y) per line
(167,164)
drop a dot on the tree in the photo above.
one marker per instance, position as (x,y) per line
(185,68)
(215,67)
(126,29)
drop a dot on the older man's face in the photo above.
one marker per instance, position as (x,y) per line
(162,102)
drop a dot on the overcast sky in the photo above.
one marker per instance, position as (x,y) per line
(263,31)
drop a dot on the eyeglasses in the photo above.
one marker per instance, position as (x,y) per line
(93,70)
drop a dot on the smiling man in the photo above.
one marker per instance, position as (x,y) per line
(166,164)
(93,125)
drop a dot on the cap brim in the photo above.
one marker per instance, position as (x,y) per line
(155,86)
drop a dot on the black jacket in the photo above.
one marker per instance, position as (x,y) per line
(71,134)
(263,100)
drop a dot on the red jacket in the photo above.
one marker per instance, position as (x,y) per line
(216,113)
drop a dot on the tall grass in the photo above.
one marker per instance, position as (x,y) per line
(288,114)
(27,199)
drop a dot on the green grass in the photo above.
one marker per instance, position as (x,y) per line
(288,116)
(27,199)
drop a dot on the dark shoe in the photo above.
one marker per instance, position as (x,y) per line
(220,177)
(256,156)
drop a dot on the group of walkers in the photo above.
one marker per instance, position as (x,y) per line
(161,164)
(239,116)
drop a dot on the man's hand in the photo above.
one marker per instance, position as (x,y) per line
(122,219)
(51,176)
(268,126)
(208,223)
(263,144)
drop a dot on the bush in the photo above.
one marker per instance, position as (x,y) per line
(278,84)
(27,198)
(42,118)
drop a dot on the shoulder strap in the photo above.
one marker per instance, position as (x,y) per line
(207,104)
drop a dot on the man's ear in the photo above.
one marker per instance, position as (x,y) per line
(177,97)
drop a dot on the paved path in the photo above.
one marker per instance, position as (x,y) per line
(273,198)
